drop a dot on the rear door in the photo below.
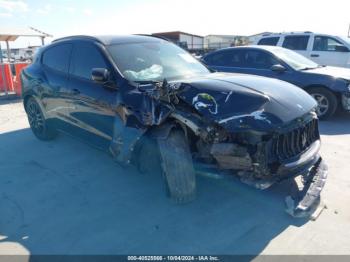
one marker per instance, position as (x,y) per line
(91,104)
(54,80)
(272,41)
(329,51)
(298,43)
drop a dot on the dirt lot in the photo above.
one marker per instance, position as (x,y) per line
(65,197)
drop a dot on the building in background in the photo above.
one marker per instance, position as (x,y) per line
(21,54)
(213,42)
(185,40)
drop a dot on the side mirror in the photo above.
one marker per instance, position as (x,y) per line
(278,68)
(341,48)
(100,75)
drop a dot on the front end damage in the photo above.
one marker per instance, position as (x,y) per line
(261,160)
(267,141)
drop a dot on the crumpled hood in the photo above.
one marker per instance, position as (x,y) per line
(238,101)
(336,72)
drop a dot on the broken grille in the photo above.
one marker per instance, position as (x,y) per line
(295,142)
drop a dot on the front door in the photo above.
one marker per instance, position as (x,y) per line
(91,104)
(329,51)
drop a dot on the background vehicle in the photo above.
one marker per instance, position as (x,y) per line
(330,86)
(142,97)
(321,48)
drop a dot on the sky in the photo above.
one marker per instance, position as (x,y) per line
(244,17)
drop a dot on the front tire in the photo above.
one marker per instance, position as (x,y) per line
(37,121)
(326,100)
(177,167)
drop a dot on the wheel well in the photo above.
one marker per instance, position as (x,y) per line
(25,101)
(337,95)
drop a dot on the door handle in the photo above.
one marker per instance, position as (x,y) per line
(75,91)
(315,55)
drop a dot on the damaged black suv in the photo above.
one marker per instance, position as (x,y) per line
(143,98)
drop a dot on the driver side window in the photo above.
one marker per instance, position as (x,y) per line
(324,43)
(86,57)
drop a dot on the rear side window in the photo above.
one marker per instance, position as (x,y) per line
(231,58)
(85,57)
(258,60)
(296,42)
(57,57)
(269,41)
(218,59)
(325,43)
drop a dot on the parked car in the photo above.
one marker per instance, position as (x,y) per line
(323,49)
(330,86)
(142,97)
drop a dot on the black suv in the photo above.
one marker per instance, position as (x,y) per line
(144,98)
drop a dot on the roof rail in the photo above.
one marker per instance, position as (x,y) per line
(77,37)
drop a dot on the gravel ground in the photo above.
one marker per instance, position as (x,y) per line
(65,197)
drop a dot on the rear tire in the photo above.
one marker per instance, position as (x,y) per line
(327,102)
(177,167)
(41,129)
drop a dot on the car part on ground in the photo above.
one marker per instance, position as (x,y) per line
(260,129)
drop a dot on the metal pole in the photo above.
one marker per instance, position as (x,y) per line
(349,31)
(42,41)
(9,61)
(8,51)
(1,61)
(3,73)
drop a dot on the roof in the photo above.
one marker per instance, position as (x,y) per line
(288,33)
(12,33)
(227,35)
(111,39)
(173,33)
(263,47)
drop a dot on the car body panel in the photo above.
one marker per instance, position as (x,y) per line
(260,99)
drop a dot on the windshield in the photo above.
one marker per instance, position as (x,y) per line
(293,59)
(155,61)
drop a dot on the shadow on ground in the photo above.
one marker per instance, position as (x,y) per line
(11,100)
(64,197)
(339,124)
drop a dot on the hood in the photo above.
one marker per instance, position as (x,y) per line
(336,72)
(238,101)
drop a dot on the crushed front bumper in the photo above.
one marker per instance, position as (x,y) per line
(308,199)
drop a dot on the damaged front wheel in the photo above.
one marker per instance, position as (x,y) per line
(177,167)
